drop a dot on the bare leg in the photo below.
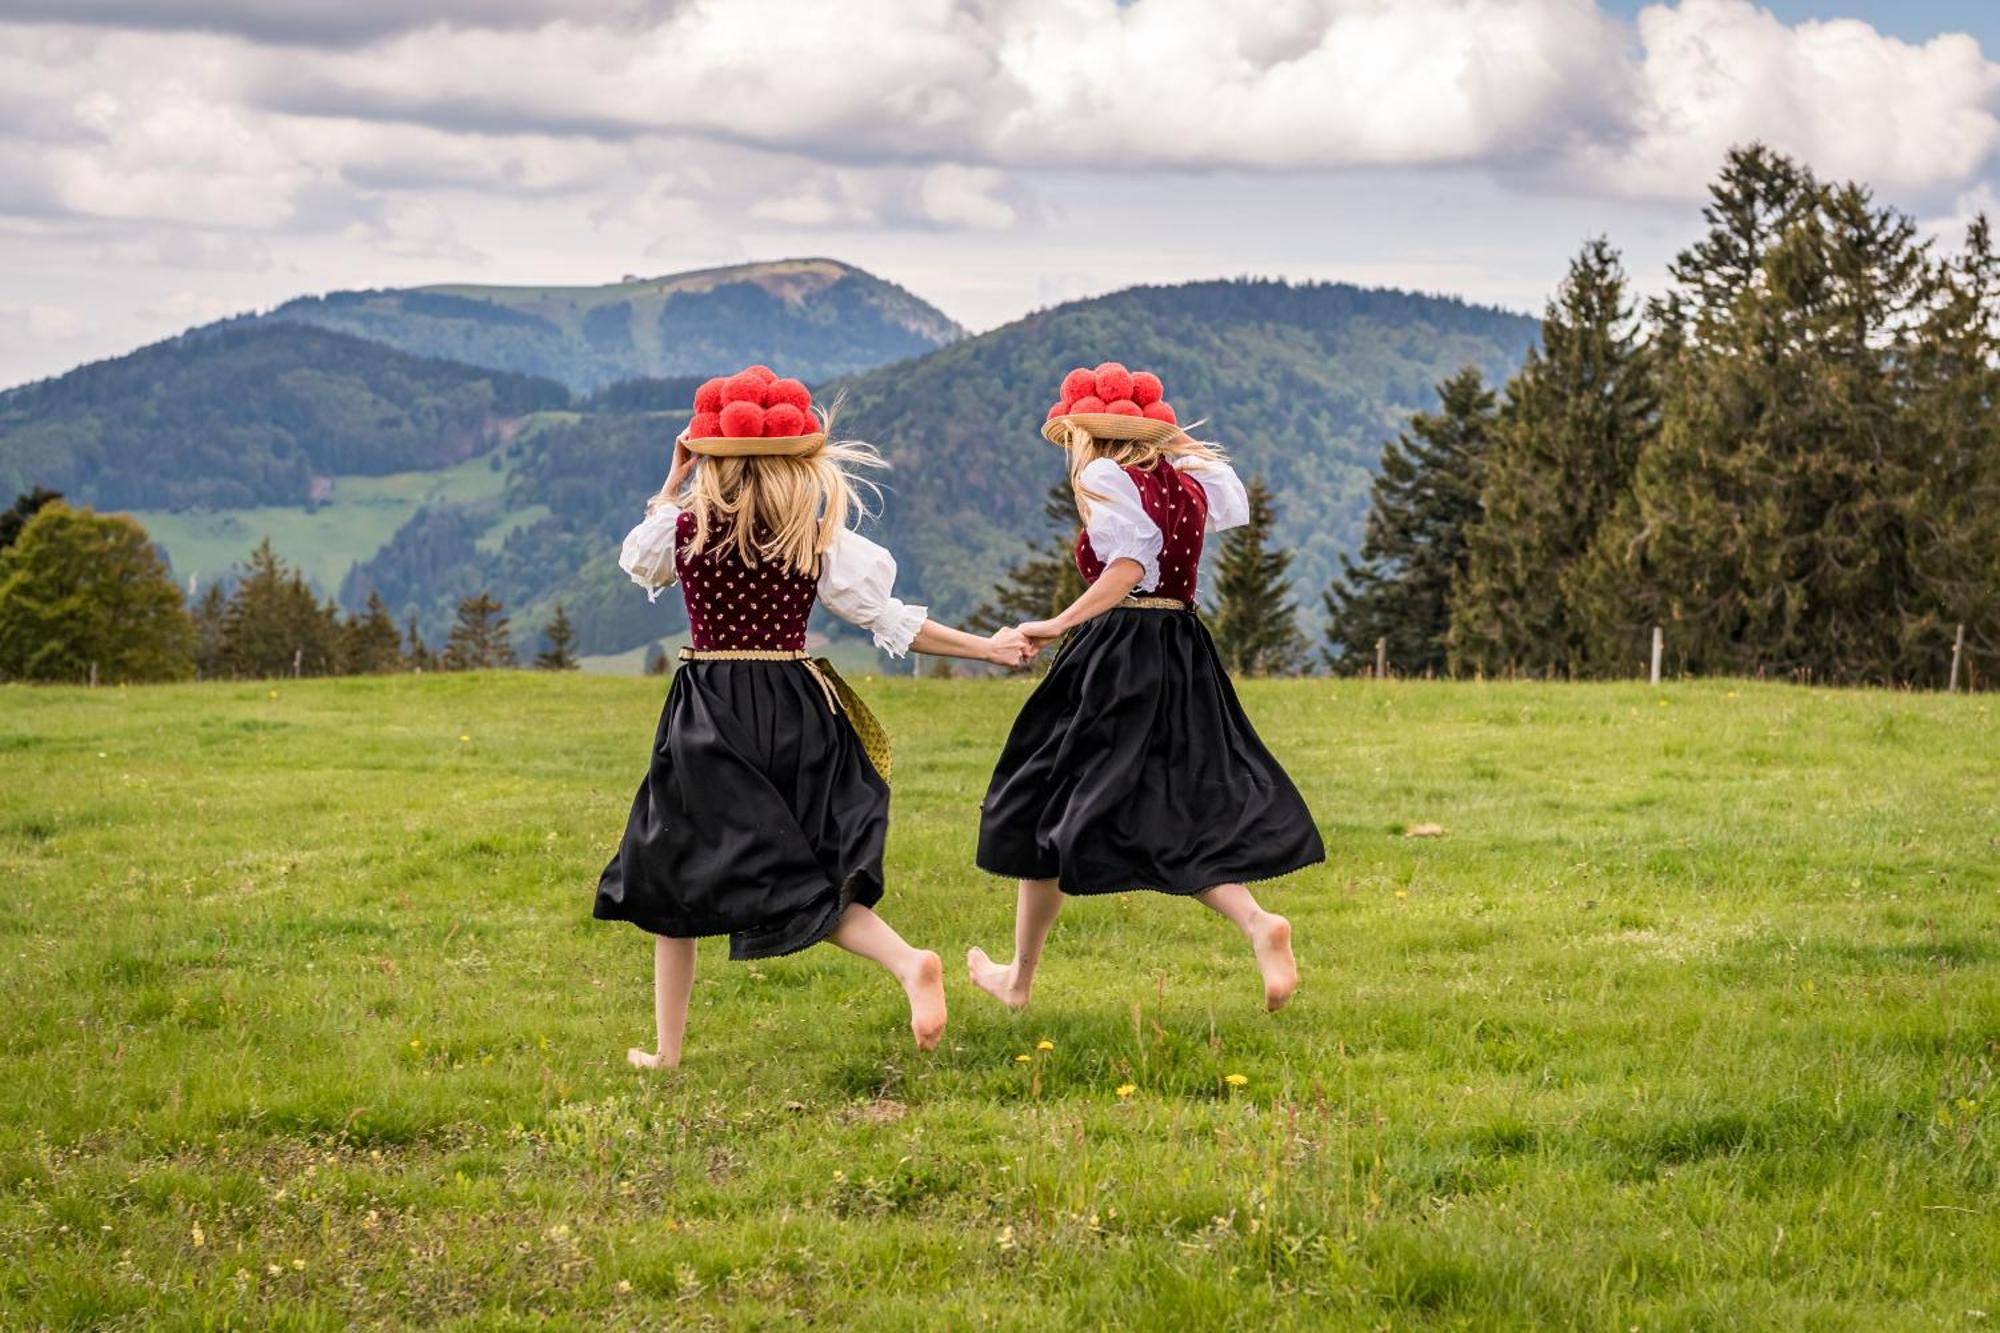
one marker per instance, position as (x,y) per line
(862,932)
(1270,936)
(673,979)
(1035,912)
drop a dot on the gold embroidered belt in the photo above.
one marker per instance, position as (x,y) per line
(840,696)
(1154,604)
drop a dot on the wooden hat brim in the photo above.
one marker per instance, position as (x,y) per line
(1111,426)
(757,446)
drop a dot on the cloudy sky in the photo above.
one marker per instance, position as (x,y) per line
(165,162)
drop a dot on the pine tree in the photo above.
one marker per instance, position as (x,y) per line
(1568,437)
(16,516)
(82,592)
(274,625)
(1414,545)
(371,646)
(419,653)
(1766,524)
(560,655)
(1047,581)
(479,640)
(1256,632)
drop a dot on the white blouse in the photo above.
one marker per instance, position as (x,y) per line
(856,578)
(1121,529)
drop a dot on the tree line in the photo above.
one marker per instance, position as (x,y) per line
(1790,461)
(85,597)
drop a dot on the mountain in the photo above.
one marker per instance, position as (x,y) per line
(817,317)
(1301,383)
(258,415)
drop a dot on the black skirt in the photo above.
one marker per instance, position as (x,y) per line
(1132,766)
(760,818)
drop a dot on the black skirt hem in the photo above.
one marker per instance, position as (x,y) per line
(1260,876)
(858,887)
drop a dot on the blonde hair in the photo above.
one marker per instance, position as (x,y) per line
(786,510)
(1085,449)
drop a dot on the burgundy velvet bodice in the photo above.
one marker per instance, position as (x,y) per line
(1179,508)
(733,606)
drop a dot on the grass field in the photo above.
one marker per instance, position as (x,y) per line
(1690,1021)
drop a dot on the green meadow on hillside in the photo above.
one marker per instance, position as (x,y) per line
(1690,1020)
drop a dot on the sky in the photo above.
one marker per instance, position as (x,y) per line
(168,162)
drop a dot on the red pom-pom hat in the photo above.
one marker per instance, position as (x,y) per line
(1112,403)
(756,414)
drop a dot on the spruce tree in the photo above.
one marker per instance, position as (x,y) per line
(479,639)
(210,612)
(371,646)
(1414,545)
(417,654)
(1568,436)
(1255,630)
(16,516)
(274,625)
(82,592)
(560,655)
(1047,581)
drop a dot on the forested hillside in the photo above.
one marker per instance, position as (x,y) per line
(1301,383)
(252,416)
(818,317)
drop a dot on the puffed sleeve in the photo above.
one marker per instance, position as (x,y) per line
(1228,502)
(1119,526)
(648,554)
(856,579)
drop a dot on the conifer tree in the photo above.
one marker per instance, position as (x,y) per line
(82,592)
(1420,507)
(209,612)
(560,655)
(1256,632)
(371,647)
(1047,581)
(417,654)
(479,639)
(16,516)
(275,626)
(1568,436)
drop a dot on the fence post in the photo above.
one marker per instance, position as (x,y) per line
(1957,655)
(1659,645)
(1382,659)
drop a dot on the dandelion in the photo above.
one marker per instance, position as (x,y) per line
(200,1236)
(1663,703)
(1023,1058)
(464,736)
(274,694)
(298,1265)
(1127,1089)
(1402,893)
(624,1285)
(1045,1045)
(1236,1080)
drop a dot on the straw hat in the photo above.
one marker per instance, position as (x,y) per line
(1108,426)
(759,446)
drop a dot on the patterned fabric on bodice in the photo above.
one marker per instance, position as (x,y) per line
(1179,508)
(731,605)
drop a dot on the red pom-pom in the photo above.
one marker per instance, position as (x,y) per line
(1146,387)
(1161,411)
(813,425)
(1079,383)
(1124,407)
(742,421)
(787,391)
(708,398)
(1087,403)
(1060,409)
(705,426)
(1113,381)
(762,372)
(743,387)
(783,420)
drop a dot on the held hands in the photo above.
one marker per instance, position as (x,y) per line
(1040,632)
(1010,648)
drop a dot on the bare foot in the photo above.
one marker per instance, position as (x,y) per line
(924,984)
(641,1059)
(1271,937)
(994,979)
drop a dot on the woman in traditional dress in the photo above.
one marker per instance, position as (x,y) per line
(762,815)
(1132,766)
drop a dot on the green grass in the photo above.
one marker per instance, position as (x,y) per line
(1691,1021)
(327,541)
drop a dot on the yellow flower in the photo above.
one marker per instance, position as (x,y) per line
(200,1237)
(463,736)
(1045,1045)
(1663,703)
(1236,1080)
(274,694)
(1023,1058)
(1127,1089)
